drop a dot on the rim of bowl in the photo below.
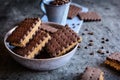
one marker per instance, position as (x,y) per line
(11,30)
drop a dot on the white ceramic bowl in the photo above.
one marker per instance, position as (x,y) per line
(39,64)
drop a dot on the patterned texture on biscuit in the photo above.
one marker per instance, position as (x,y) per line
(73,11)
(62,41)
(91,73)
(24,32)
(89,16)
(34,46)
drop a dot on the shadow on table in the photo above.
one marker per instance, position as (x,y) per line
(7,63)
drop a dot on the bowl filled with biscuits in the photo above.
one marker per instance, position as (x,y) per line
(41,46)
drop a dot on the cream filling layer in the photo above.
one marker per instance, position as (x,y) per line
(38,48)
(101,76)
(113,64)
(68,48)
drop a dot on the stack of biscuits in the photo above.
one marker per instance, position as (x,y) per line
(31,36)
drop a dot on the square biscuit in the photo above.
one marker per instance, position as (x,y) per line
(92,73)
(62,41)
(24,32)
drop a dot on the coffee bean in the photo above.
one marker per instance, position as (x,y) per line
(90,33)
(90,44)
(103,42)
(86,29)
(83,33)
(92,53)
(107,51)
(107,8)
(107,40)
(90,40)
(103,38)
(100,51)
(102,47)
(73,24)
(86,47)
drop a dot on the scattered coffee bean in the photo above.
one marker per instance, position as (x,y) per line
(86,29)
(107,8)
(100,51)
(92,53)
(90,33)
(90,40)
(107,40)
(103,42)
(86,47)
(73,24)
(102,47)
(103,38)
(107,51)
(83,33)
(90,44)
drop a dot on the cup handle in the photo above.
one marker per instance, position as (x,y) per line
(42,7)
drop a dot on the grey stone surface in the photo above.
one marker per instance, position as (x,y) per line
(13,11)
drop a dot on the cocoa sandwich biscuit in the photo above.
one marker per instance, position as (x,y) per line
(73,11)
(34,46)
(113,60)
(48,28)
(24,32)
(91,73)
(62,41)
(89,16)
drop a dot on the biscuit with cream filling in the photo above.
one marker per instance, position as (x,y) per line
(24,32)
